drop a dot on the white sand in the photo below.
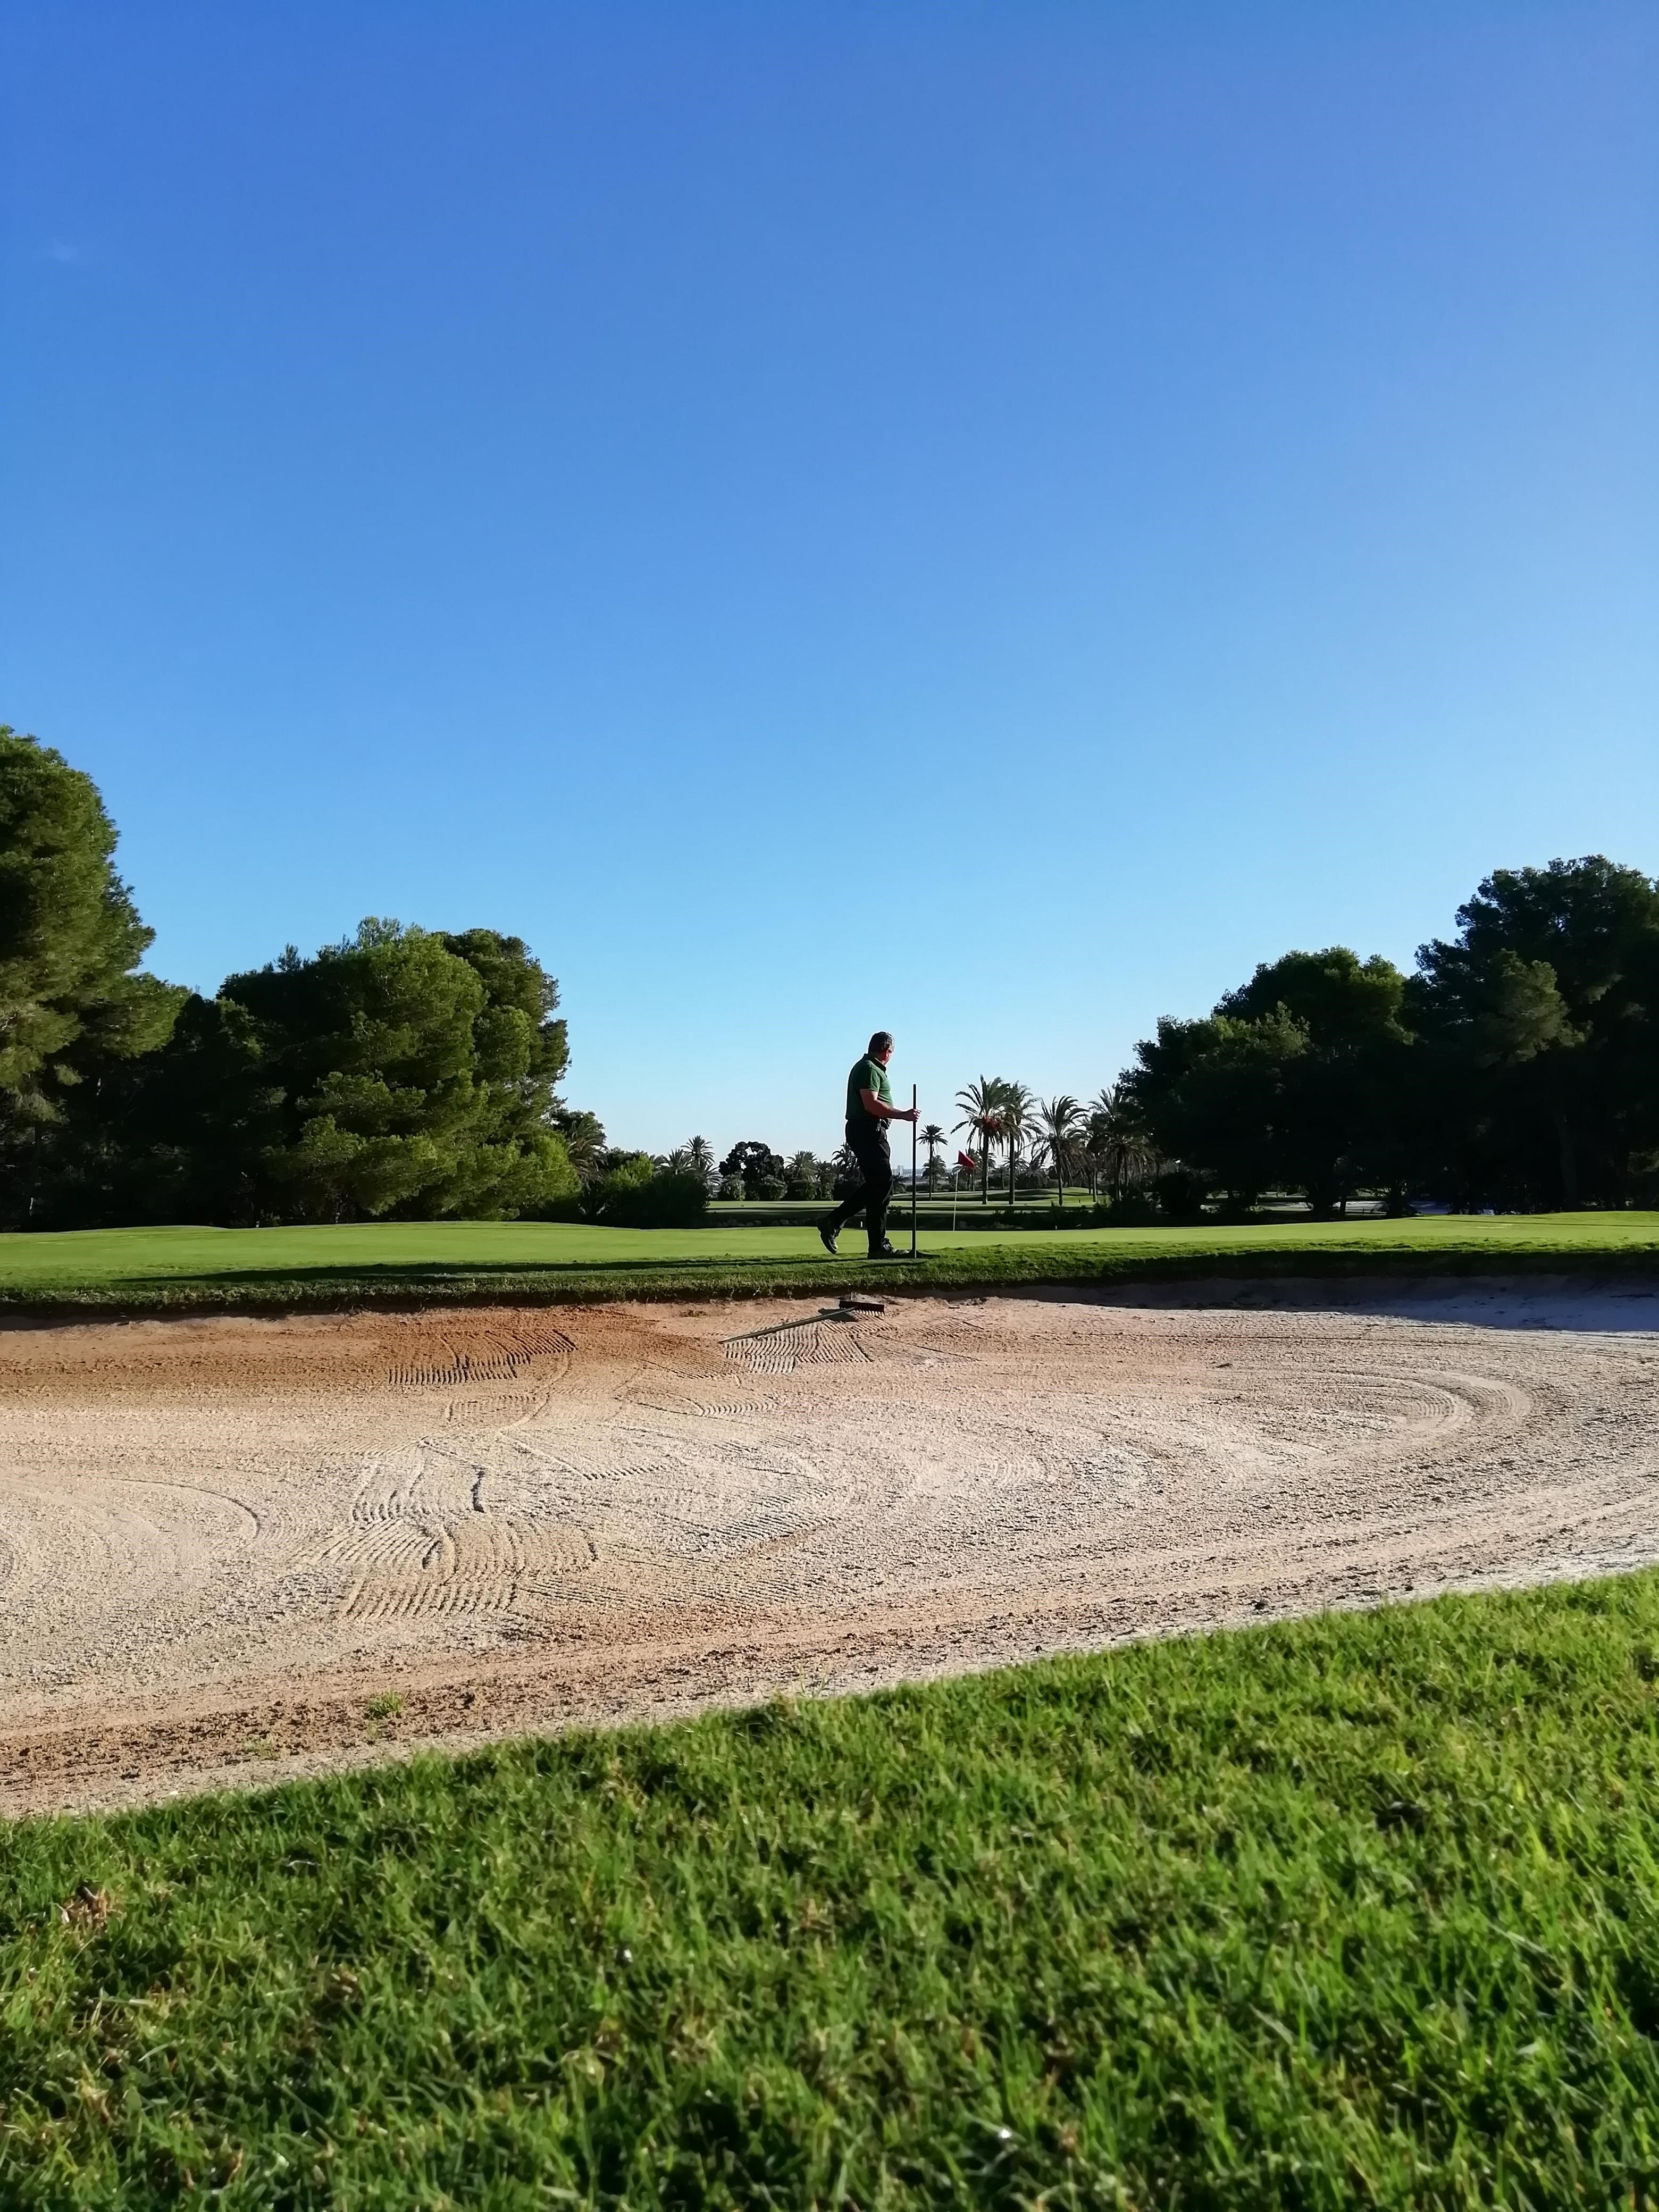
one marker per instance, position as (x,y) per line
(220,1541)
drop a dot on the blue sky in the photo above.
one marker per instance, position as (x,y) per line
(986,520)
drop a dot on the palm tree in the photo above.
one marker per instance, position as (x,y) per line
(584,1140)
(803,1168)
(979,1104)
(1060,1121)
(701,1153)
(1096,1139)
(1117,1138)
(1014,1104)
(932,1136)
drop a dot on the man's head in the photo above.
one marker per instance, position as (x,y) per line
(881,1046)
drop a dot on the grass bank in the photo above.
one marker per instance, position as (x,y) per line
(137,1270)
(1363,1909)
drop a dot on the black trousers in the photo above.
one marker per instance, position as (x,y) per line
(871,1196)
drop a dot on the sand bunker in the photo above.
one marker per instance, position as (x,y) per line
(235,1548)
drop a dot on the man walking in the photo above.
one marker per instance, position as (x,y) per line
(870,1107)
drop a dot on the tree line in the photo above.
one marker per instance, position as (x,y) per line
(403,1073)
(406,1073)
(1515,1069)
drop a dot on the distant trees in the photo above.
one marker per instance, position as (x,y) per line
(762,1172)
(1518,1067)
(1059,1130)
(694,1157)
(1538,1031)
(408,1073)
(402,1073)
(806,1177)
(1117,1148)
(584,1140)
(1285,1086)
(635,1191)
(1015,1116)
(980,1107)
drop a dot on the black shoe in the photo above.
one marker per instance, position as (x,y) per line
(827,1239)
(887,1252)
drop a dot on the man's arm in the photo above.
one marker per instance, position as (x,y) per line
(879,1110)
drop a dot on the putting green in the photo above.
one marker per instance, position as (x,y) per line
(69,1261)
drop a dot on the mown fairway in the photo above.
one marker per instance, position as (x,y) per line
(138,1266)
(1364,1909)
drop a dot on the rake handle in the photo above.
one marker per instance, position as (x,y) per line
(913,1171)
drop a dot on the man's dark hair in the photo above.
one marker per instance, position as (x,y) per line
(880,1042)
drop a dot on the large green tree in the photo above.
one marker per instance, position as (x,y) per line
(401,1073)
(1540,1023)
(417,1075)
(73,1005)
(1211,1094)
(1519,1067)
(1289,1085)
(1336,1124)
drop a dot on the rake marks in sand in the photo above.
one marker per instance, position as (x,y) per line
(561,1517)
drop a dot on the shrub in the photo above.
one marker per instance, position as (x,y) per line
(636,1194)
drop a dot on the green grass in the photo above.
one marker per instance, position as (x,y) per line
(138,1268)
(1361,1910)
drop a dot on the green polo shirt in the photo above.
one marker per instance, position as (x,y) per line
(867,1074)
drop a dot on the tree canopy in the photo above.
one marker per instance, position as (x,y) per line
(1518,1067)
(72,1002)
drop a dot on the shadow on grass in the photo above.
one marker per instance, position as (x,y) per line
(445,1271)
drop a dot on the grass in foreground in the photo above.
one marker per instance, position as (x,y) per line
(184,1266)
(1361,1910)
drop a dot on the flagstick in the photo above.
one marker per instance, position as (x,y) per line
(913,1171)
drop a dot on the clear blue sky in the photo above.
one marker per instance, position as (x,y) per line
(987,520)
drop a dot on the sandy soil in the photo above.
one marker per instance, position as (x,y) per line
(228,1548)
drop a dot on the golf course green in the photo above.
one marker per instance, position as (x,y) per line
(138,1268)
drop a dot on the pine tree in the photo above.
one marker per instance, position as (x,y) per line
(71,1002)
